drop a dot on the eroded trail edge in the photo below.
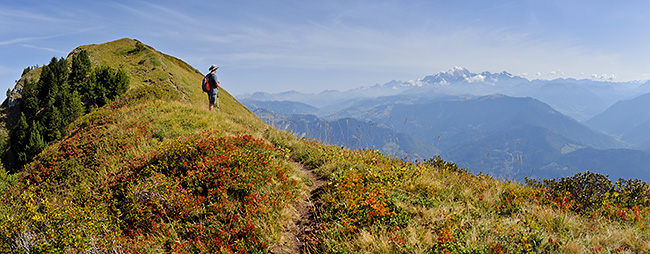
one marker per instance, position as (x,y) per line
(301,234)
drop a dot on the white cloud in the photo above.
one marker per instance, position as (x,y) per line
(51,36)
(61,52)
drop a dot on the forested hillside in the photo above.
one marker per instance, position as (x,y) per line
(61,94)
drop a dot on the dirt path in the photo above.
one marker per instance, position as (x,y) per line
(301,233)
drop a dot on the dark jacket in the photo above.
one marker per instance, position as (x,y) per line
(214,87)
(212,79)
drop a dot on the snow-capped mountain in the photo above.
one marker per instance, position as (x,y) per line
(580,99)
(497,122)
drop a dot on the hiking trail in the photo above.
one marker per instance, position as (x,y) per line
(301,234)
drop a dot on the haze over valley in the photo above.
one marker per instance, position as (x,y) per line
(496,123)
(340,126)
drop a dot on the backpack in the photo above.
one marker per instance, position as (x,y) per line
(206,83)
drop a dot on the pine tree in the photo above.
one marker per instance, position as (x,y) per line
(18,139)
(53,123)
(119,85)
(80,74)
(72,107)
(35,144)
(31,103)
(52,80)
(58,98)
(60,71)
(102,78)
(108,84)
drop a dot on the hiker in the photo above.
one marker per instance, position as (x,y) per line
(213,92)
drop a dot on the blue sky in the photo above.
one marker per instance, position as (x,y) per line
(311,46)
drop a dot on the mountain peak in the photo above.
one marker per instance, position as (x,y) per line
(464,76)
(458,72)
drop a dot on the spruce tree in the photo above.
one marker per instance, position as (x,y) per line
(72,107)
(80,74)
(52,123)
(101,81)
(52,80)
(36,143)
(31,103)
(119,85)
(19,136)
(44,84)
(58,98)
(60,71)
(108,84)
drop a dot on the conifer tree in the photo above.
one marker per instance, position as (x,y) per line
(108,84)
(72,107)
(81,68)
(60,71)
(52,80)
(35,144)
(31,103)
(19,138)
(119,85)
(52,122)
(80,74)
(58,98)
(44,84)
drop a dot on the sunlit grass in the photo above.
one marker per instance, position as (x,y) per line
(156,172)
(379,204)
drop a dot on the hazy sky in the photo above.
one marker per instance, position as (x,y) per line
(311,46)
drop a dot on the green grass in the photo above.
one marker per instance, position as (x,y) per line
(378,204)
(152,175)
(156,172)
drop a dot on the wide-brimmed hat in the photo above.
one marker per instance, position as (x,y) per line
(213,67)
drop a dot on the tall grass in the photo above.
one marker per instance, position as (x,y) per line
(378,204)
(156,172)
(152,175)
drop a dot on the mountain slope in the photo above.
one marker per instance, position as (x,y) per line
(349,132)
(287,107)
(628,119)
(460,119)
(579,99)
(499,135)
(150,72)
(158,173)
(640,135)
(126,172)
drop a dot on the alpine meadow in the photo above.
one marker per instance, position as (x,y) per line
(124,157)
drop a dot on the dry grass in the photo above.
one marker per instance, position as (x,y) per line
(372,203)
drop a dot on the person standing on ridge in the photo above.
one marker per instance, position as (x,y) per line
(213,93)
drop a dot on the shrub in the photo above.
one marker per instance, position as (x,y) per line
(205,194)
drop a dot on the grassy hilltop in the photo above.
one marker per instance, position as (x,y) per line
(154,171)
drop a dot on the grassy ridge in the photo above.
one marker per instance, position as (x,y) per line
(152,175)
(156,172)
(374,203)
(149,69)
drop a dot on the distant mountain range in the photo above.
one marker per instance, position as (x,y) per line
(628,119)
(494,123)
(579,99)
